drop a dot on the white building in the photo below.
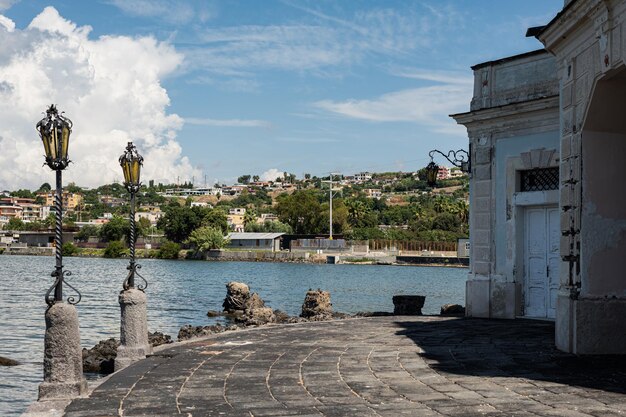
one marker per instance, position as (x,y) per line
(548,237)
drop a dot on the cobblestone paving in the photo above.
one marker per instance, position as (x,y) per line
(384,366)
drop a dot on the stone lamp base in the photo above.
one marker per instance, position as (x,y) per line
(63,360)
(133,330)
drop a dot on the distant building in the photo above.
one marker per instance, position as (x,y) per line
(257,241)
(235,222)
(443,173)
(373,193)
(362,176)
(237,210)
(70,200)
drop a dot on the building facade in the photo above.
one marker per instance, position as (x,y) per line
(548,217)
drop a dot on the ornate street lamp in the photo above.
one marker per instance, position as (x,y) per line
(134,344)
(460,159)
(131,163)
(63,375)
(55,130)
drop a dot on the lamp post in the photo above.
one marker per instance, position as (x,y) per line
(134,344)
(460,159)
(63,364)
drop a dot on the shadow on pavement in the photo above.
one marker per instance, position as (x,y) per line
(511,348)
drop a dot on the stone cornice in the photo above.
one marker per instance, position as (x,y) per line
(570,19)
(516,110)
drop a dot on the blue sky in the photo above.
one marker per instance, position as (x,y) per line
(251,87)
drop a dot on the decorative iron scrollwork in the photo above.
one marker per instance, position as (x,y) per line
(60,280)
(132,272)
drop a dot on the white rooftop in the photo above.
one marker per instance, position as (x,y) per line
(251,235)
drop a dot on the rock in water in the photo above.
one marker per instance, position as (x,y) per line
(452,310)
(237,293)
(255,301)
(408,305)
(158,339)
(189,332)
(8,362)
(317,305)
(258,316)
(101,357)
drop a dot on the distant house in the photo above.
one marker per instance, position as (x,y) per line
(237,210)
(256,241)
(373,193)
(70,200)
(235,222)
(362,176)
(443,173)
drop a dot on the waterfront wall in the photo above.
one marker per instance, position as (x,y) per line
(258,256)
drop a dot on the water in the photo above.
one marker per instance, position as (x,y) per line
(181,292)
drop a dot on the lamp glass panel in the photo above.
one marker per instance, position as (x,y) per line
(45,138)
(54,143)
(65,141)
(135,170)
(126,169)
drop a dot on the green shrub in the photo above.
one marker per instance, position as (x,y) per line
(114,249)
(69,249)
(168,250)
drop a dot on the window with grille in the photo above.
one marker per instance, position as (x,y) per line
(539,179)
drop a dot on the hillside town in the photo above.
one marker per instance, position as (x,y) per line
(367,206)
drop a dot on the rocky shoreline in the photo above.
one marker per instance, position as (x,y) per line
(244,309)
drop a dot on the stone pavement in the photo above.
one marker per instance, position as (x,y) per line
(380,366)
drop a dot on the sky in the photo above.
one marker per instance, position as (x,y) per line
(210,90)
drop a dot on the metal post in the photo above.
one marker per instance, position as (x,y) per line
(131,267)
(331,207)
(58,238)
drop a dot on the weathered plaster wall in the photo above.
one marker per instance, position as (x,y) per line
(603,230)
(588,40)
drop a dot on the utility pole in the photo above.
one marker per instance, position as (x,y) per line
(330,196)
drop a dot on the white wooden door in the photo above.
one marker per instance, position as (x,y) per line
(541,261)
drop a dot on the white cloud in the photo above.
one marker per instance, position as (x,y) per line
(7,23)
(7,4)
(176,12)
(227,122)
(317,43)
(271,174)
(428,105)
(109,87)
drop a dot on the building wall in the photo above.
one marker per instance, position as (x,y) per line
(588,40)
(508,122)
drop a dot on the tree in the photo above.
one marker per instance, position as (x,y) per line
(215,218)
(269,227)
(86,232)
(23,193)
(44,188)
(256,178)
(206,238)
(114,249)
(14,224)
(168,250)
(302,211)
(244,179)
(115,229)
(69,249)
(307,176)
(249,217)
(178,222)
